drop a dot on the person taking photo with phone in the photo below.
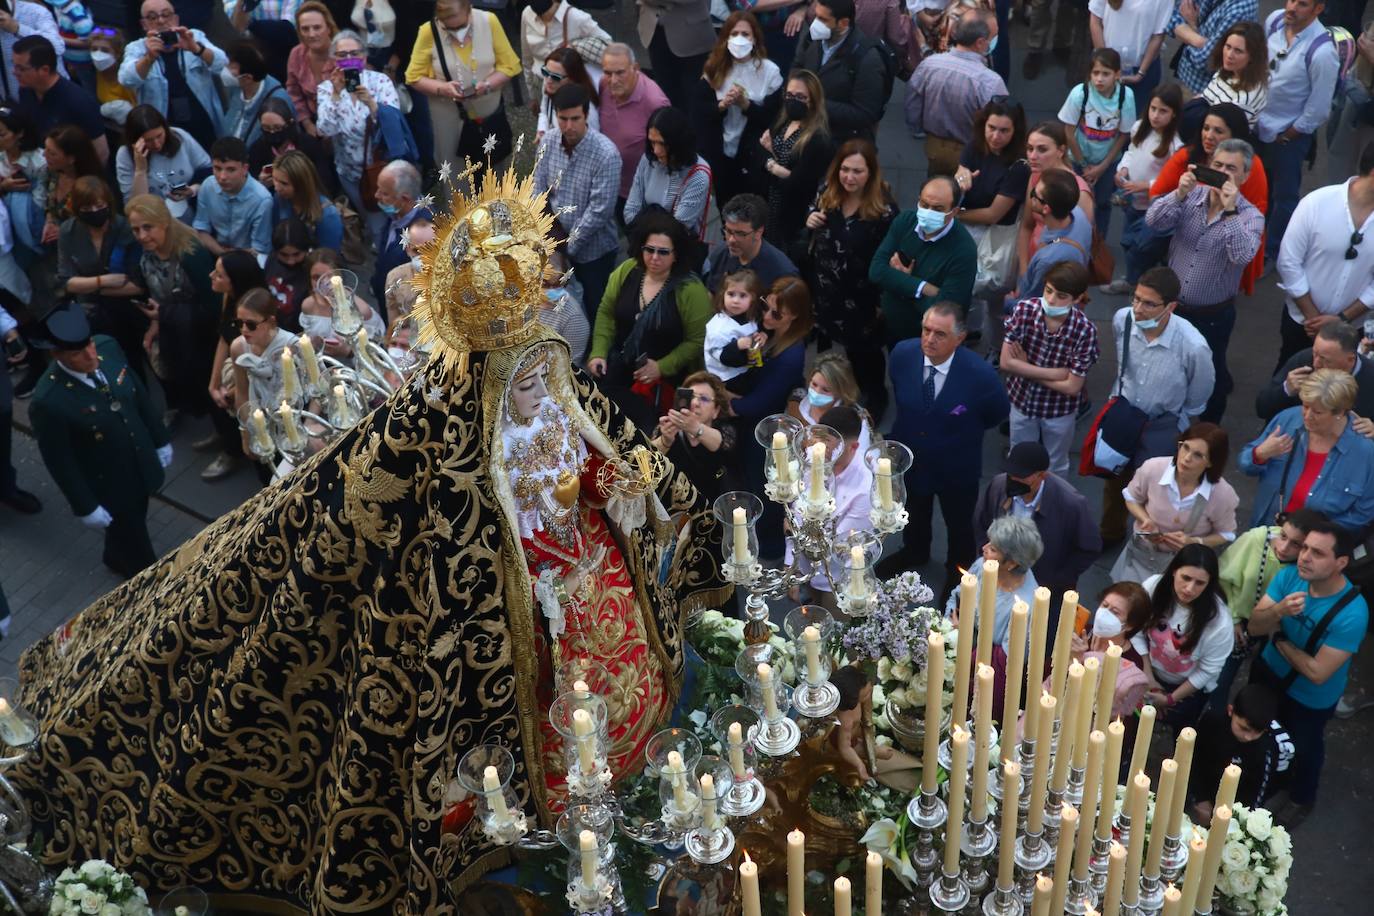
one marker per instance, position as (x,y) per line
(1216,234)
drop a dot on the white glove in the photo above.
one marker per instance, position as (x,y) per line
(164,455)
(98,519)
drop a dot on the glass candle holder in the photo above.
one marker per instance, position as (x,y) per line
(666,742)
(738,513)
(736,727)
(811,615)
(888,461)
(819,446)
(337,288)
(814,696)
(345,405)
(585,831)
(18,727)
(485,773)
(856,586)
(747,667)
(711,840)
(257,422)
(580,720)
(288,431)
(777,434)
(770,697)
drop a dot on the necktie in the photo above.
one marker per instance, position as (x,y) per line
(930,386)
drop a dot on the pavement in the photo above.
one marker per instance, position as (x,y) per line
(50,565)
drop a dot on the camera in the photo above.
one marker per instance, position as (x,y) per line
(169,37)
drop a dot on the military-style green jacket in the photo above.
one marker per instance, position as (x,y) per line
(100,447)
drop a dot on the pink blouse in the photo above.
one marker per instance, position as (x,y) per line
(301,83)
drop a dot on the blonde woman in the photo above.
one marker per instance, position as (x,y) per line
(831,383)
(462,60)
(182,306)
(297,194)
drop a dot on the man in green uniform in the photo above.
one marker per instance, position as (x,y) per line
(100,436)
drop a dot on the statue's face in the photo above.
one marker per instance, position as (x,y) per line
(528,392)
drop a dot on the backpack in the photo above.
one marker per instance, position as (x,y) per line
(889,59)
(1340,40)
(1120,102)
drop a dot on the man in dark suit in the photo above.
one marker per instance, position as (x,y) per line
(947,398)
(1068,528)
(1336,346)
(101,439)
(850,67)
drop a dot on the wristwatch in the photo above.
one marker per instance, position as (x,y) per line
(1232,212)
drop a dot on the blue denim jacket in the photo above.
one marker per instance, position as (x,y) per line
(1344,489)
(200,77)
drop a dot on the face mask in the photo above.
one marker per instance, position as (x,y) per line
(816,399)
(819,30)
(555,296)
(740,47)
(1017,487)
(929,221)
(275,135)
(388,209)
(103,60)
(1105,623)
(94,218)
(228,78)
(417,264)
(460,35)
(993,43)
(1147,324)
(1055,311)
(796,109)
(541,7)
(350,63)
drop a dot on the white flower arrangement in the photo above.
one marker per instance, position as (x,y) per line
(97,889)
(1255,863)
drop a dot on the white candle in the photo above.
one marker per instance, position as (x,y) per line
(258,426)
(811,637)
(781,460)
(1211,863)
(677,776)
(857,589)
(1137,793)
(1063,857)
(288,422)
(312,363)
(290,381)
(496,799)
(14,730)
(1144,732)
(842,903)
(1016,666)
(873,884)
(587,841)
(935,699)
(736,742)
(360,348)
(987,611)
(340,294)
(741,526)
(958,779)
(580,686)
(708,802)
(586,744)
(982,743)
(341,404)
(818,472)
(749,887)
(796,873)
(770,698)
(884,478)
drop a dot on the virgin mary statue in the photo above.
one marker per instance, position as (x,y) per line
(278,707)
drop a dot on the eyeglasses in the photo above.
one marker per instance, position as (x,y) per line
(1146,303)
(1356,238)
(655,251)
(1035,195)
(739,233)
(246,324)
(703,399)
(551,76)
(164,16)
(1278,58)
(773,312)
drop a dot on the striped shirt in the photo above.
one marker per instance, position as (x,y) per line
(1208,256)
(1213,19)
(1250,101)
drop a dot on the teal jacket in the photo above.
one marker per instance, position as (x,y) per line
(949,263)
(97,454)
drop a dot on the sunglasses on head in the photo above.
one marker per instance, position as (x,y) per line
(246,324)
(1356,238)
(550,75)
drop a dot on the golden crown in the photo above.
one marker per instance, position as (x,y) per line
(482,282)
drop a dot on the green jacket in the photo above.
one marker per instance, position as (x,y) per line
(99,455)
(951,263)
(693,306)
(1241,581)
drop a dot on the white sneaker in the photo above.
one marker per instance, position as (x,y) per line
(1349,706)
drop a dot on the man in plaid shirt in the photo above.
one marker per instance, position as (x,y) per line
(1048,349)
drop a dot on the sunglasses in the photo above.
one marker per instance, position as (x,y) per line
(553,77)
(773,312)
(1356,238)
(246,324)
(655,250)
(1278,58)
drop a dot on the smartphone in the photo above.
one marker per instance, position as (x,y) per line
(177,189)
(682,400)
(352,80)
(169,37)
(267,170)
(1211,177)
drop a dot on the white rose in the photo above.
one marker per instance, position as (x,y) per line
(111,909)
(1267,900)
(91,902)
(92,870)
(1234,855)
(1279,843)
(57,906)
(902,671)
(898,696)
(879,696)
(884,669)
(1259,824)
(74,891)
(134,907)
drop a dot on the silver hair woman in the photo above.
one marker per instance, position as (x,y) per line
(1015,545)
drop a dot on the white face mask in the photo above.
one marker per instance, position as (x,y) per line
(103,60)
(461,35)
(740,47)
(819,31)
(417,264)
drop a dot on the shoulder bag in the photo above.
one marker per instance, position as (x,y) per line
(1114,434)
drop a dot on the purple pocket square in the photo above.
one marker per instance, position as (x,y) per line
(958,411)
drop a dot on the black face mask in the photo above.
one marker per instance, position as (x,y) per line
(1017,487)
(94,218)
(540,7)
(278,136)
(796,109)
